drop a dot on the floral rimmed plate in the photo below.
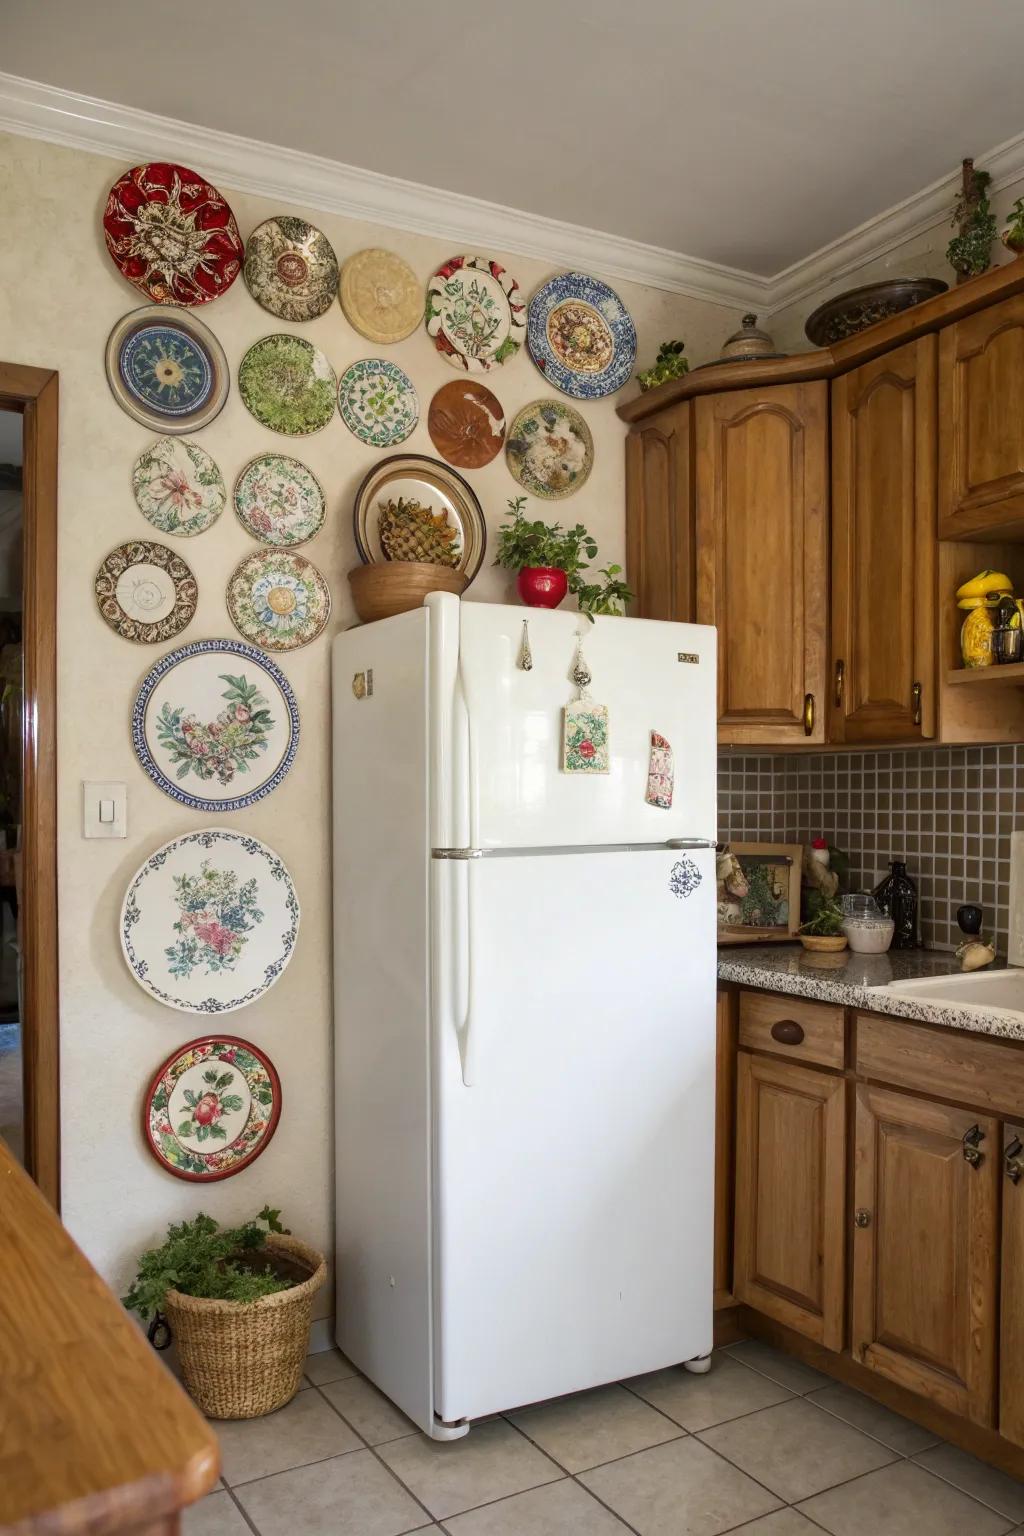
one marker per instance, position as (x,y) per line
(278,600)
(211,1108)
(581,336)
(172,234)
(380,296)
(438,494)
(215,725)
(146,592)
(377,402)
(178,487)
(209,922)
(167,370)
(466,423)
(475,312)
(549,450)
(279,501)
(291,269)
(288,385)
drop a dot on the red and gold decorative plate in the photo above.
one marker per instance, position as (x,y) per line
(211,1108)
(172,234)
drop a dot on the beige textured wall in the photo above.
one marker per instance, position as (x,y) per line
(59,297)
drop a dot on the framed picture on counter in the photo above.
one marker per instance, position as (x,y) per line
(758,892)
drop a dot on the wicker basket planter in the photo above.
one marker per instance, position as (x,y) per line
(241,1359)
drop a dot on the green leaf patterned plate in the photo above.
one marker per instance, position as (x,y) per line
(278,600)
(549,449)
(288,385)
(291,269)
(178,487)
(475,312)
(279,501)
(377,402)
(211,1108)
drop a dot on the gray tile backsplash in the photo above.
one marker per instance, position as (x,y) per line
(948,811)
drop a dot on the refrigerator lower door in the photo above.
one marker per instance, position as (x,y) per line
(573,1189)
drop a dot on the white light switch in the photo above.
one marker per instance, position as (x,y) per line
(104,809)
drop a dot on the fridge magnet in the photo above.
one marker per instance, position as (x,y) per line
(466,423)
(209,922)
(381,296)
(377,402)
(167,370)
(172,234)
(146,592)
(584,724)
(178,487)
(550,450)
(211,1108)
(525,662)
(684,878)
(758,892)
(581,336)
(291,269)
(660,773)
(215,725)
(288,385)
(476,313)
(278,600)
(279,501)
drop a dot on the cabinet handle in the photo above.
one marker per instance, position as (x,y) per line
(840,679)
(808,714)
(970,1141)
(862,1218)
(787,1032)
(915,699)
(1013,1163)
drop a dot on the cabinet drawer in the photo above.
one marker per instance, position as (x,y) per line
(988,1074)
(791,1026)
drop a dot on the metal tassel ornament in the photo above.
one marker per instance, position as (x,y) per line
(580,673)
(525,662)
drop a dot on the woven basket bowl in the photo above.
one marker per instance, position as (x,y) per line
(395,586)
(241,1359)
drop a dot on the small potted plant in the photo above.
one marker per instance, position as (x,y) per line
(609,596)
(547,558)
(824,931)
(1013,235)
(238,1303)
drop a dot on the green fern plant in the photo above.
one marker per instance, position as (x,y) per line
(200,1258)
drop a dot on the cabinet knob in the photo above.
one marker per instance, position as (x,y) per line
(839,681)
(915,699)
(787,1032)
(1013,1163)
(970,1142)
(808,714)
(862,1218)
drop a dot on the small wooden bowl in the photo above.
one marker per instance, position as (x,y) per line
(824,943)
(397,586)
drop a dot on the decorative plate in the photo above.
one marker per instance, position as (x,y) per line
(466,424)
(212,1108)
(580,336)
(172,234)
(291,269)
(178,487)
(215,725)
(146,592)
(288,385)
(209,922)
(475,313)
(278,600)
(381,296)
(377,402)
(438,492)
(279,501)
(167,370)
(550,450)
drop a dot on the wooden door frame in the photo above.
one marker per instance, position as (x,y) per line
(33,392)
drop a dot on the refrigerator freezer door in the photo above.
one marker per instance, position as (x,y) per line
(650,676)
(574,1178)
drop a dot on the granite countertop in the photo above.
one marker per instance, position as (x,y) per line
(861,981)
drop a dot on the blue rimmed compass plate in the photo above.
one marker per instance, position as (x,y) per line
(581,336)
(167,369)
(215,725)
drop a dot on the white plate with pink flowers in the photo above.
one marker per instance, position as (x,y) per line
(211,1108)
(178,487)
(279,501)
(209,922)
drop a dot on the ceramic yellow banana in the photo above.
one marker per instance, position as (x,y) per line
(985,584)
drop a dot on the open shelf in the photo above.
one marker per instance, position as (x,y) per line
(980,677)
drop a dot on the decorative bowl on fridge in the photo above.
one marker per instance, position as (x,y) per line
(542,586)
(381,590)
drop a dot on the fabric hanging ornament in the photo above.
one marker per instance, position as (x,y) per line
(584,724)
(660,773)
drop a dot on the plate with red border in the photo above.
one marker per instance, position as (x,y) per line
(211,1108)
(172,234)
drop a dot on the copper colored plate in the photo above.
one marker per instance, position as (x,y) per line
(466,424)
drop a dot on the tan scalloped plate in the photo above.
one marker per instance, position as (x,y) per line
(381,296)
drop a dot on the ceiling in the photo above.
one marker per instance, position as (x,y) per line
(747,133)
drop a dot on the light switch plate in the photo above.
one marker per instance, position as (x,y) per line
(104,808)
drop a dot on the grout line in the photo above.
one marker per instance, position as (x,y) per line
(374,1453)
(572,1476)
(299,1467)
(950,1484)
(250,1523)
(849,1481)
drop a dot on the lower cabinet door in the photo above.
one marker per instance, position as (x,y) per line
(790,1231)
(1011,1328)
(926,1192)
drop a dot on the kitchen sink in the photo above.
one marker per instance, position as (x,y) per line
(984,990)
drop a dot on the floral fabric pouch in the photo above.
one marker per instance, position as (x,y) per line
(585,737)
(660,773)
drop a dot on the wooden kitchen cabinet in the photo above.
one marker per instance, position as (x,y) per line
(1011,1290)
(884,548)
(790,1234)
(725,1144)
(925,1220)
(660,515)
(981,424)
(761,477)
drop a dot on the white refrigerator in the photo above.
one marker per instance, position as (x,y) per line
(524,1006)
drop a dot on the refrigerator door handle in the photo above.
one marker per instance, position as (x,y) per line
(468,965)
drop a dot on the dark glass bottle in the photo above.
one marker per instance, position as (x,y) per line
(897,896)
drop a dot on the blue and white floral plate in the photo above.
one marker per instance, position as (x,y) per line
(209,922)
(215,725)
(167,369)
(378,402)
(581,336)
(278,600)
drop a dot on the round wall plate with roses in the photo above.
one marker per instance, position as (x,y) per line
(476,313)
(211,1108)
(581,336)
(209,922)
(178,487)
(279,501)
(172,234)
(215,725)
(278,600)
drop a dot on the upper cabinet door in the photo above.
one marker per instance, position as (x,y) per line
(981,432)
(762,557)
(883,548)
(659,516)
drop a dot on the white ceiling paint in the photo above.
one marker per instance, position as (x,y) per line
(746,133)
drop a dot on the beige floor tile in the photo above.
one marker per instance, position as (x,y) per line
(328,1365)
(679,1489)
(216,1515)
(862,1412)
(796,1449)
(593,1427)
(986,1484)
(307,1429)
(784,1369)
(785,1522)
(347,1496)
(902,1500)
(369,1412)
(559,1509)
(450,1476)
(696,1402)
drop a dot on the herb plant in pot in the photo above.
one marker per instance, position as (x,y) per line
(824,931)
(548,558)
